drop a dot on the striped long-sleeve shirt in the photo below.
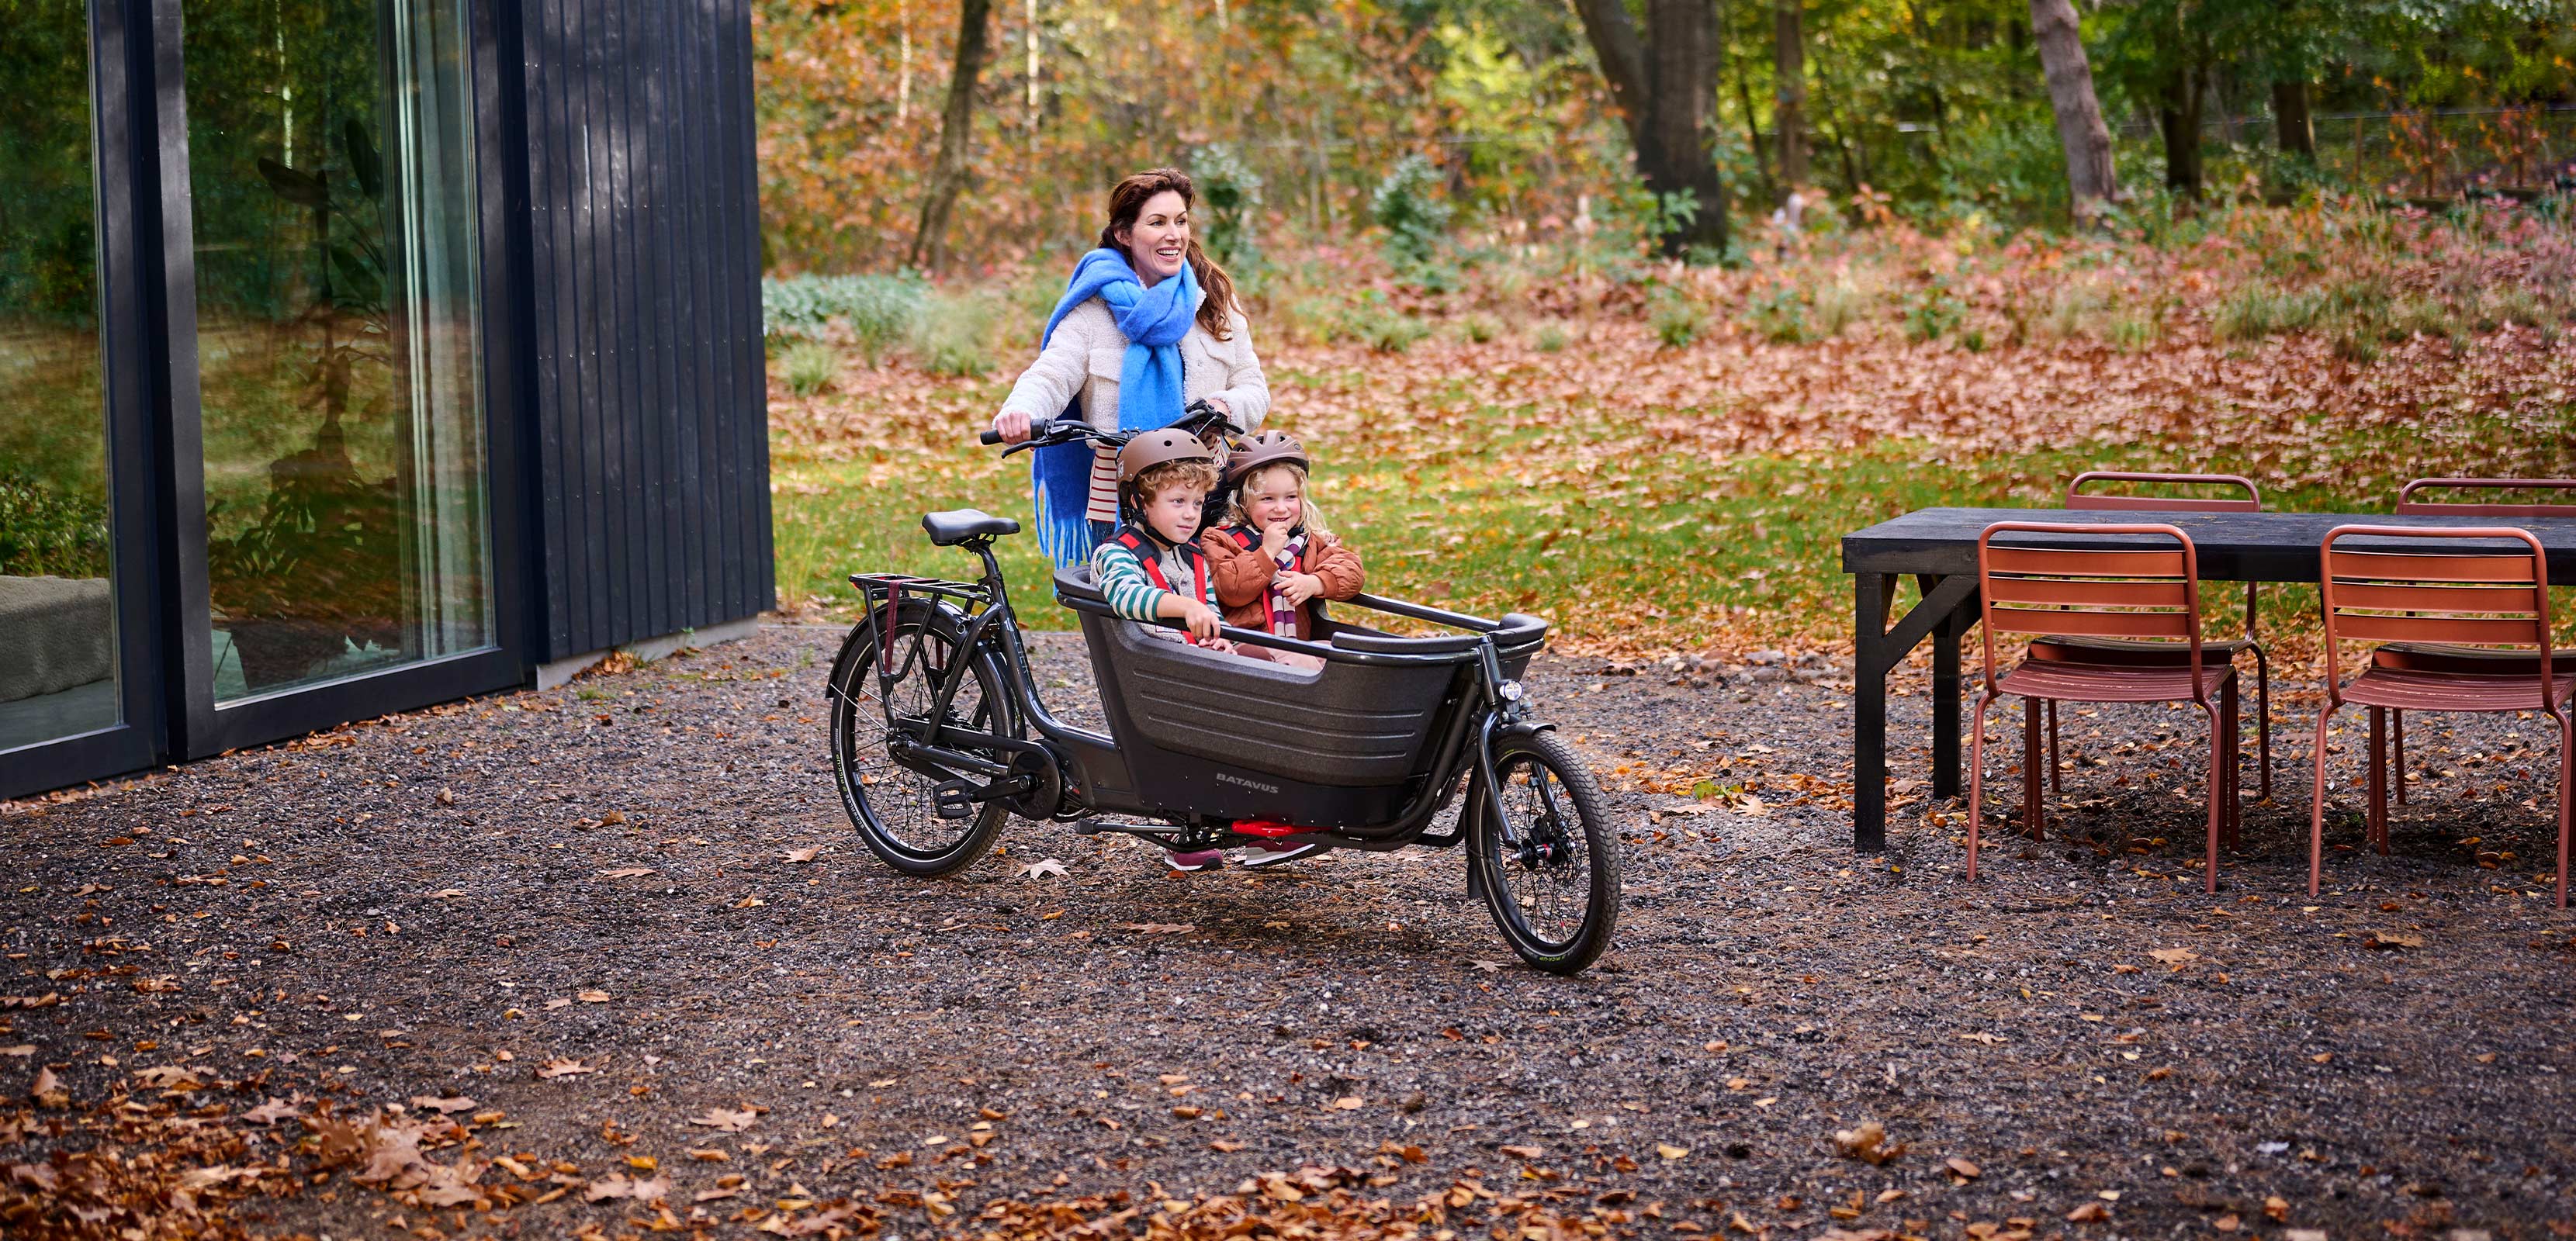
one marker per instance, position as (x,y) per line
(1121,572)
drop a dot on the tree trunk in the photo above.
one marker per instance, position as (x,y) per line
(2091,181)
(1753,135)
(2294,125)
(2180,112)
(949,175)
(1789,91)
(1666,98)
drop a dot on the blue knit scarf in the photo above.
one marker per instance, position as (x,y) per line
(1149,387)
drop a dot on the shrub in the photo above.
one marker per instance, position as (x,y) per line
(1230,192)
(1934,314)
(2355,339)
(1383,328)
(2427,315)
(1404,206)
(1550,338)
(1778,314)
(2130,331)
(881,311)
(1837,306)
(1480,328)
(1675,318)
(954,334)
(45,532)
(808,367)
(2263,309)
(2070,309)
(878,310)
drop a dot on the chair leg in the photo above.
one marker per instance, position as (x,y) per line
(2397,734)
(2217,791)
(2231,758)
(2377,823)
(2031,812)
(2056,763)
(2317,808)
(2263,720)
(2566,794)
(1976,776)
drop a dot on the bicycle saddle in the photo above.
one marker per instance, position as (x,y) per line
(960,524)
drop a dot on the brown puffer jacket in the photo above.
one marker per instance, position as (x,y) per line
(1243,575)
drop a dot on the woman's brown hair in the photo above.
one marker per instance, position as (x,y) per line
(1127,201)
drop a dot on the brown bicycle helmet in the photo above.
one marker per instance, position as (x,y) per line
(1267,448)
(1153,448)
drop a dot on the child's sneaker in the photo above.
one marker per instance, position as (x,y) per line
(1203,859)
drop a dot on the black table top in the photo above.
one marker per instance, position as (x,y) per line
(2240,547)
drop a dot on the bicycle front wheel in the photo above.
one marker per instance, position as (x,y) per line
(1550,861)
(894,805)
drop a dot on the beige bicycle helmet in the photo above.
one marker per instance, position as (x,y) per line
(1267,448)
(1153,448)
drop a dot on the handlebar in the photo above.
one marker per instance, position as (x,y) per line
(1196,419)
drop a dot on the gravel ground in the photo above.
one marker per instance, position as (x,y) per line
(608,874)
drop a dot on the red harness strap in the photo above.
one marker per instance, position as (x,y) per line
(1135,542)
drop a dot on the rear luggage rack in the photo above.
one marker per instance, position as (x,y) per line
(876,588)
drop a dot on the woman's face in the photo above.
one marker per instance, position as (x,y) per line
(1158,242)
(1273,497)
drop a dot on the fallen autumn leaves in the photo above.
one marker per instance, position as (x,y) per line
(151,1171)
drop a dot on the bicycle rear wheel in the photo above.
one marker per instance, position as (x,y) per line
(1550,861)
(894,805)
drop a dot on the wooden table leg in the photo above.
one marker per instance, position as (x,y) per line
(1870,665)
(1945,693)
(1949,605)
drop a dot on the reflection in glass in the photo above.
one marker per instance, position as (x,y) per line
(57,614)
(332,186)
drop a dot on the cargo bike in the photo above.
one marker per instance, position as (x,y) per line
(938,735)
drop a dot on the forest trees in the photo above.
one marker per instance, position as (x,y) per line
(948,177)
(1652,119)
(2091,181)
(1667,95)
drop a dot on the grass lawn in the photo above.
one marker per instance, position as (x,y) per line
(1646,496)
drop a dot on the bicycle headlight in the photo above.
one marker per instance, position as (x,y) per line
(1510,691)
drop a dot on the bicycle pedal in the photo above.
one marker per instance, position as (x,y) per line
(954,799)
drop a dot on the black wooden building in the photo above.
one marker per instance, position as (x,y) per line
(361,354)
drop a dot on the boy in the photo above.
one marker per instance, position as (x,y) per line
(1152,568)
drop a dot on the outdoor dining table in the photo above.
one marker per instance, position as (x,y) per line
(1938,546)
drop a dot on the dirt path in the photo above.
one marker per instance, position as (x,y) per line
(603,883)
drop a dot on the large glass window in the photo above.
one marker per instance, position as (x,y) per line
(332,183)
(58,675)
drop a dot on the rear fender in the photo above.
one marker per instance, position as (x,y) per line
(859,649)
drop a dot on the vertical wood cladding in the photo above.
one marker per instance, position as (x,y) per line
(651,437)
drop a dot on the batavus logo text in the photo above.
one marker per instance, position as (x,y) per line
(1254,785)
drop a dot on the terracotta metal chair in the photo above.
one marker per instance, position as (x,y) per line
(2419,585)
(2452,657)
(2102,650)
(2146,595)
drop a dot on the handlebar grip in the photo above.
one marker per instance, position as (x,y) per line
(1037,427)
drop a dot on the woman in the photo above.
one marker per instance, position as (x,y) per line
(1147,325)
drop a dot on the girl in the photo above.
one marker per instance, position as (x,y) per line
(1273,558)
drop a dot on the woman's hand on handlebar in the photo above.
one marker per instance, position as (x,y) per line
(1012,425)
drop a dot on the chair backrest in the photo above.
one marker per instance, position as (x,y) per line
(2094,592)
(2434,584)
(2076,499)
(2407,503)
